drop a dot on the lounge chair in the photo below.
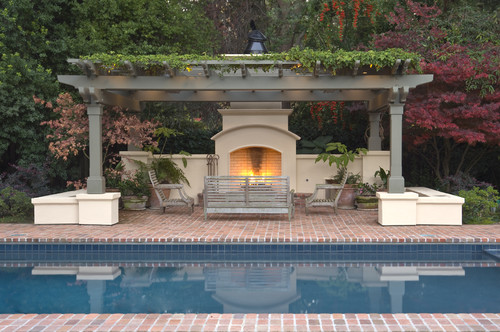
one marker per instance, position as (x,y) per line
(184,199)
(314,201)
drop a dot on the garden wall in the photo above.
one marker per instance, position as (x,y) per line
(307,176)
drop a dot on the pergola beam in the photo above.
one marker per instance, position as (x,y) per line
(119,99)
(249,96)
(246,83)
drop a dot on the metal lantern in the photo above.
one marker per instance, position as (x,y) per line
(256,41)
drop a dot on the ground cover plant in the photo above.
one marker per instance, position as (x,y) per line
(480,206)
(15,206)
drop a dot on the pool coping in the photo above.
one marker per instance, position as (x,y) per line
(250,322)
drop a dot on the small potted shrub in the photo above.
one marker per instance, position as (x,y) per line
(384,177)
(113,176)
(342,160)
(135,190)
(366,198)
(167,171)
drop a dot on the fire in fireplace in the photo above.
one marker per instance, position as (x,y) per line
(255,161)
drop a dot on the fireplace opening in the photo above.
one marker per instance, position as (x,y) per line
(255,161)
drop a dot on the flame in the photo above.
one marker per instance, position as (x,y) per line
(252,173)
(254,177)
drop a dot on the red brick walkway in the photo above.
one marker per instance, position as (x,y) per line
(178,226)
(251,322)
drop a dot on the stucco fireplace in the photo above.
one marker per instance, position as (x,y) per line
(255,141)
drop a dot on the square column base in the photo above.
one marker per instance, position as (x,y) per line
(397,209)
(98,209)
(59,208)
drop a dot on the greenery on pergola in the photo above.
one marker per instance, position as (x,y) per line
(305,60)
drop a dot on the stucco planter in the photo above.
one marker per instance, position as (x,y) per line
(135,203)
(367,202)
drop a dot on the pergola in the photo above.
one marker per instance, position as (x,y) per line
(131,84)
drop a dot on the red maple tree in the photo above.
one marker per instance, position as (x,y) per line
(70,130)
(460,109)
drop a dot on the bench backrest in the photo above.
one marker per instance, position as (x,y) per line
(247,190)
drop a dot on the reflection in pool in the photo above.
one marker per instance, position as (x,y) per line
(250,287)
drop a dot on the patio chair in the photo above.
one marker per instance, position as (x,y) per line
(184,199)
(314,201)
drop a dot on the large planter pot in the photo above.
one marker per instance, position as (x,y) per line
(135,203)
(367,202)
(347,197)
(153,202)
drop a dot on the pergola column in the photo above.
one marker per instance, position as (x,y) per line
(374,140)
(96,183)
(396,182)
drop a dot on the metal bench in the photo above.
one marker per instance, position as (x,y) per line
(248,194)
(183,200)
(315,201)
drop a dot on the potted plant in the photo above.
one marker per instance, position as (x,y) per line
(342,160)
(135,190)
(384,177)
(366,198)
(167,171)
(113,176)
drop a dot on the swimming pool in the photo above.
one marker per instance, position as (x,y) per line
(240,278)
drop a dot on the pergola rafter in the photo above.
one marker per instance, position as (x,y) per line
(131,84)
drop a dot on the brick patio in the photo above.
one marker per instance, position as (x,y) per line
(178,226)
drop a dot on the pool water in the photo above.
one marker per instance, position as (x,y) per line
(248,287)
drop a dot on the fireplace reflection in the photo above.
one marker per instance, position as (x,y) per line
(255,161)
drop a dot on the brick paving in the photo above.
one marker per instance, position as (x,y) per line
(320,226)
(178,226)
(250,322)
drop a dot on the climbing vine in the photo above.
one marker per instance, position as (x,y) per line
(306,60)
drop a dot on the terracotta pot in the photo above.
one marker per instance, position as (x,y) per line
(153,202)
(135,203)
(347,197)
(367,202)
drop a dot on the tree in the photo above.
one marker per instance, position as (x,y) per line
(141,27)
(31,48)
(37,37)
(454,120)
(69,132)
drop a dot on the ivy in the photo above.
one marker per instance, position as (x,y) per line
(306,60)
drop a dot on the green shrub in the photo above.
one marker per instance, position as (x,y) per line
(14,203)
(479,204)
